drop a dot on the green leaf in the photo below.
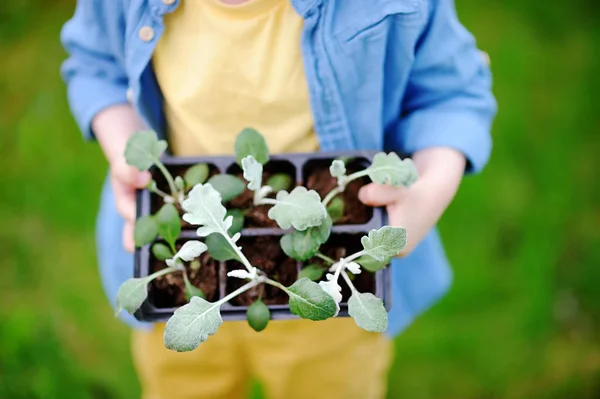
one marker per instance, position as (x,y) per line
(237,223)
(312,272)
(131,294)
(191,290)
(179,183)
(309,301)
(161,251)
(368,312)
(252,172)
(303,245)
(144,149)
(300,208)
(192,324)
(335,209)
(390,169)
(204,208)
(219,249)
(145,230)
(228,186)
(197,174)
(169,224)
(321,233)
(385,242)
(250,142)
(300,245)
(279,181)
(258,315)
(337,168)
(372,265)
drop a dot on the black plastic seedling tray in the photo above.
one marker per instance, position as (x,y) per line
(298,165)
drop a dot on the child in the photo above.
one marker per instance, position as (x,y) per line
(310,75)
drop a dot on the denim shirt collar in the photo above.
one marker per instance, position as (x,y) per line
(161,7)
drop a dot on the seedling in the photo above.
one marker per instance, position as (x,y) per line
(307,218)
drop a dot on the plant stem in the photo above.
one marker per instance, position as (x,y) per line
(239,253)
(261,194)
(341,265)
(161,193)
(341,186)
(353,256)
(267,201)
(167,176)
(330,196)
(349,282)
(325,258)
(162,272)
(241,290)
(277,284)
(356,175)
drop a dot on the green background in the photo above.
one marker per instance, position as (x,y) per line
(522,318)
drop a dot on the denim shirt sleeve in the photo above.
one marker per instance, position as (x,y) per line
(448,101)
(95,79)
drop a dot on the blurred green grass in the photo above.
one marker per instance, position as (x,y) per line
(522,319)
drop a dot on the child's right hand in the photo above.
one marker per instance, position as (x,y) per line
(112,127)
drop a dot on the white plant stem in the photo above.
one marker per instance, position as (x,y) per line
(331,195)
(235,293)
(161,193)
(277,284)
(261,194)
(267,201)
(239,253)
(163,272)
(325,258)
(349,282)
(167,176)
(343,181)
(341,265)
(241,290)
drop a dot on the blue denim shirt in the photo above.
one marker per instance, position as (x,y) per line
(382,74)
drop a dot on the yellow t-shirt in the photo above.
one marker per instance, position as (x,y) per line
(223,68)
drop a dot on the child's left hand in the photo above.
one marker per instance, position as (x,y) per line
(419,207)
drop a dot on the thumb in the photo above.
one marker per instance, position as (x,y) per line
(131,176)
(374,194)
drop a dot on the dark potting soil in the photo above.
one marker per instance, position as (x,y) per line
(257,216)
(254,216)
(318,178)
(340,246)
(156,202)
(265,253)
(169,290)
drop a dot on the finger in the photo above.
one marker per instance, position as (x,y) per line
(131,176)
(124,199)
(379,194)
(128,243)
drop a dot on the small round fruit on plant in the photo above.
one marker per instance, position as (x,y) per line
(258,315)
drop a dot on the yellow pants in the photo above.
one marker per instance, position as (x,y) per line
(291,359)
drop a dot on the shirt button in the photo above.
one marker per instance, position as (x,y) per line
(129,95)
(486,58)
(146,33)
(168,2)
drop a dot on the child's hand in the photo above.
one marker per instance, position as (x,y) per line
(419,207)
(113,127)
(125,180)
